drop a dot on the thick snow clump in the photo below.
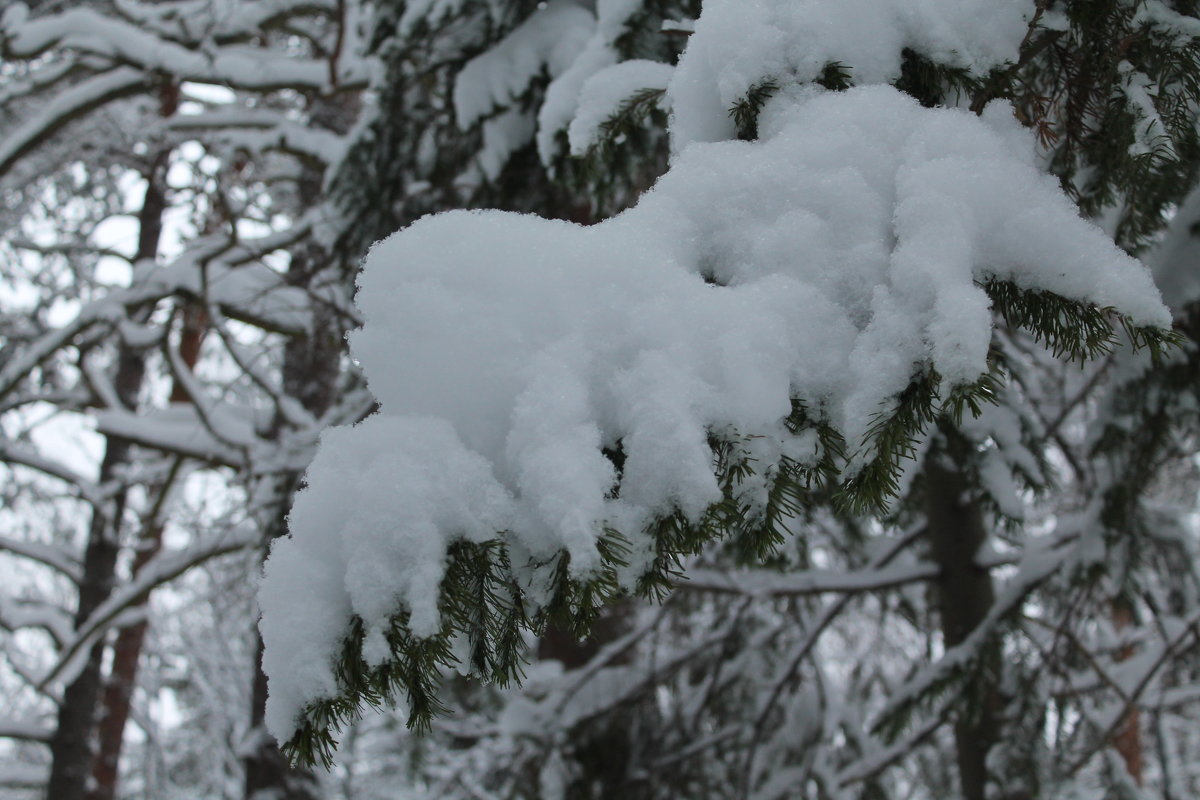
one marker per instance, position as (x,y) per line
(739,44)
(826,261)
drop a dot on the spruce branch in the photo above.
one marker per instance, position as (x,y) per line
(745,111)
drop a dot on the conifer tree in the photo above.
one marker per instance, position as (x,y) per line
(1012,490)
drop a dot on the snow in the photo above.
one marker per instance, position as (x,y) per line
(503,135)
(604,93)
(1175,256)
(93,33)
(65,106)
(390,551)
(222,434)
(739,44)
(54,556)
(1167,19)
(563,94)
(429,12)
(24,729)
(765,583)
(548,40)
(18,775)
(290,137)
(1003,455)
(827,261)
(1150,134)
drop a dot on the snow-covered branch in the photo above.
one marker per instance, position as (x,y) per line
(69,106)
(162,568)
(54,556)
(17,614)
(235,66)
(12,452)
(764,584)
(24,730)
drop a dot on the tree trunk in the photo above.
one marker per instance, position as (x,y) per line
(1128,737)
(268,776)
(118,689)
(965,592)
(71,745)
(603,751)
(127,651)
(311,366)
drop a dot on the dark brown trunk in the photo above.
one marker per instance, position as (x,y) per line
(311,365)
(1128,737)
(603,750)
(118,690)
(71,745)
(127,651)
(965,594)
(562,646)
(267,772)
(191,337)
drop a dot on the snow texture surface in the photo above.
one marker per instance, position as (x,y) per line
(739,44)
(549,39)
(599,52)
(607,91)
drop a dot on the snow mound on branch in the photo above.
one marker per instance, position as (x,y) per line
(600,52)
(604,94)
(370,536)
(549,40)
(830,262)
(1175,256)
(738,44)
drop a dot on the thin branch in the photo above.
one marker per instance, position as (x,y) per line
(86,31)
(1188,629)
(762,583)
(870,766)
(22,614)
(84,488)
(68,106)
(287,407)
(46,555)
(164,567)
(831,612)
(70,248)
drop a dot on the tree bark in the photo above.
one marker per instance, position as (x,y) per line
(311,366)
(603,751)
(71,746)
(268,775)
(118,689)
(957,531)
(1128,737)
(127,651)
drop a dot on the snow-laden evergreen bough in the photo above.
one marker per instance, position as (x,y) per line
(567,412)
